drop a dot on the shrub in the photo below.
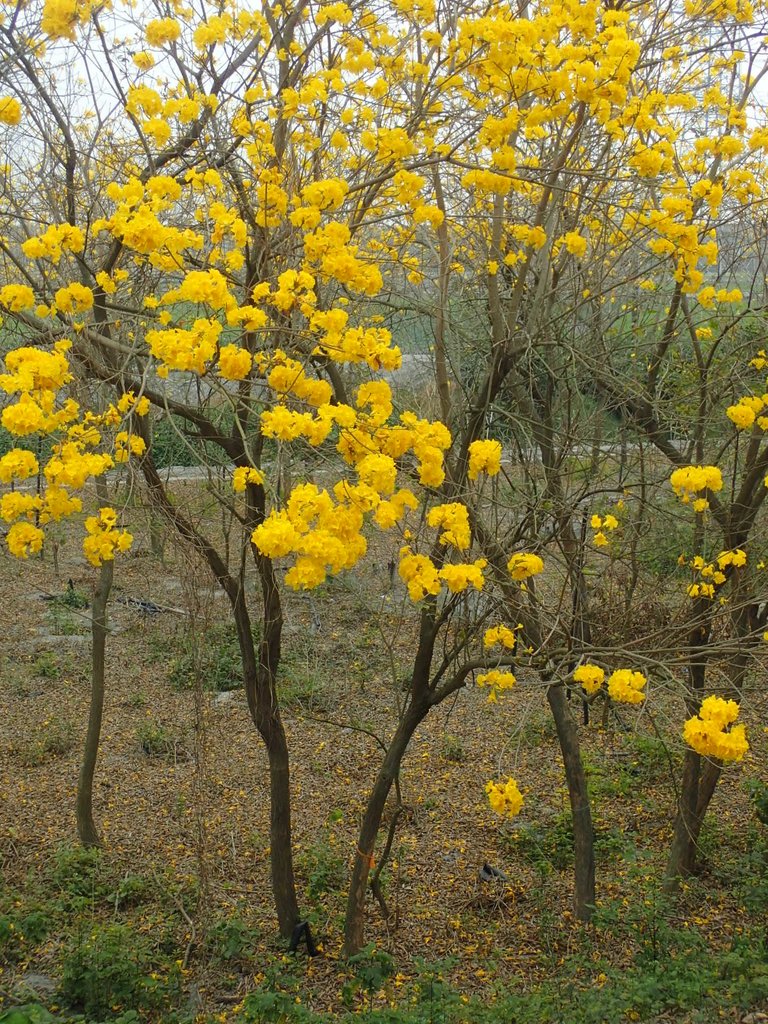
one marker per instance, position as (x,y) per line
(110,969)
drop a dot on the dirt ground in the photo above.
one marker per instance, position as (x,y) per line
(181,787)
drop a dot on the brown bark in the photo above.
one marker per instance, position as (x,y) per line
(581,812)
(86,825)
(690,813)
(259,676)
(354,928)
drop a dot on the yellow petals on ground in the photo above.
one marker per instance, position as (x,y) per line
(505,798)
(627,686)
(712,733)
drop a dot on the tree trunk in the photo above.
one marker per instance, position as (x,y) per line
(259,681)
(86,826)
(260,685)
(581,813)
(682,853)
(354,925)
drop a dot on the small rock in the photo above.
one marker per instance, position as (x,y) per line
(40,984)
(224,697)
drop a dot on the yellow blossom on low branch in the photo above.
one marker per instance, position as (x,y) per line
(627,686)
(689,481)
(484,457)
(458,577)
(453,519)
(505,798)
(500,636)
(523,565)
(419,574)
(497,681)
(104,538)
(591,677)
(712,732)
(245,475)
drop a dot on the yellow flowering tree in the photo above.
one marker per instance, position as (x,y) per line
(219,220)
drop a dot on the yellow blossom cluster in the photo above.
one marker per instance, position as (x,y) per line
(591,677)
(500,635)
(505,798)
(178,348)
(746,412)
(61,17)
(497,681)
(324,534)
(600,524)
(18,464)
(39,377)
(289,378)
(712,575)
(56,240)
(17,297)
(712,732)
(127,444)
(627,686)
(453,519)
(423,578)
(244,475)
(523,565)
(103,538)
(10,110)
(689,481)
(484,457)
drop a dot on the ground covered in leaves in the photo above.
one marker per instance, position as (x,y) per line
(173,921)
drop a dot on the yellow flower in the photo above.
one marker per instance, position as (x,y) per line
(244,475)
(484,457)
(496,680)
(712,733)
(18,464)
(740,415)
(626,686)
(505,798)
(10,110)
(591,677)
(454,519)
(523,565)
(162,31)
(499,635)
(234,362)
(458,577)
(24,539)
(575,243)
